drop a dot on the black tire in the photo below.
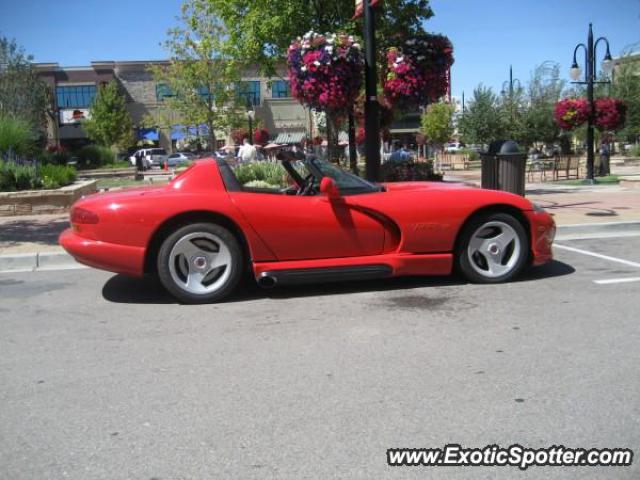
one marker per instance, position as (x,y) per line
(173,265)
(486,267)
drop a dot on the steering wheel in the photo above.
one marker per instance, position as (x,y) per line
(307,188)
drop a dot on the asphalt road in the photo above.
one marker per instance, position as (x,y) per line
(104,377)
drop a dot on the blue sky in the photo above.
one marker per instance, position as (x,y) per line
(487,36)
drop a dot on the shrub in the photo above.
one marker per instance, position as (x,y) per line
(472,154)
(56,176)
(14,177)
(259,184)
(15,135)
(271,173)
(635,151)
(94,156)
(18,177)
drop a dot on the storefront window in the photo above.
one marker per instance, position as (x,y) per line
(75,96)
(280,89)
(248,91)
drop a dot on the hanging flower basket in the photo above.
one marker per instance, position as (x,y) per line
(418,70)
(261,136)
(570,113)
(325,71)
(610,113)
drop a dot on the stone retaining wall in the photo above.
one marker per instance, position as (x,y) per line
(30,202)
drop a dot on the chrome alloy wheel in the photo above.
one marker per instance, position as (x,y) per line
(200,263)
(494,249)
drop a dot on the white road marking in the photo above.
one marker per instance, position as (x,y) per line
(617,280)
(598,255)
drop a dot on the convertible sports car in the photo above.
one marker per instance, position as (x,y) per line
(203,230)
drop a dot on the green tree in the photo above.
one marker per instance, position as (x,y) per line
(482,122)
(110,123)
(437,123)
(544,90)
(259,32)
(513,108)
(22,94)
(198,83)
(626,86)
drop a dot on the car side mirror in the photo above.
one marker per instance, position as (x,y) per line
(329,188)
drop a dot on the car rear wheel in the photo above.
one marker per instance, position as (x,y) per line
(493,248)
(200,263)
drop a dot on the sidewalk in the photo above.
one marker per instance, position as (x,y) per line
(570,205)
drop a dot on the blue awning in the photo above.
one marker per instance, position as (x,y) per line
(178,132)
(150,134)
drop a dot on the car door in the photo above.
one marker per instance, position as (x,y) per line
(310,227)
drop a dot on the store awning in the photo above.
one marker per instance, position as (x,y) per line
(178,132)
(290,138)
(150,134)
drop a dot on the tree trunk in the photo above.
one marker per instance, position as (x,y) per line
(332,138)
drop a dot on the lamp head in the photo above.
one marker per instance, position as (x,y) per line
(575,72)
(607,63)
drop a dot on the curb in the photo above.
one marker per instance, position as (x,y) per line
(43,261)
(598,230)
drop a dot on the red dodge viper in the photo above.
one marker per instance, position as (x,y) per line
(203,230)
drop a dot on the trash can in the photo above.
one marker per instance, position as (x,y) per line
(489,161)
(505,167)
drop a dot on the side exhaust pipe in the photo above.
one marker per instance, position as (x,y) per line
(266,281)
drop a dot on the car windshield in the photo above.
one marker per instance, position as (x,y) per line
(347,183)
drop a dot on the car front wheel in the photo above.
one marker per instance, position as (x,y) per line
(200,263)
(493,248)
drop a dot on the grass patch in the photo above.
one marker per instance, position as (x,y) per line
(608,180)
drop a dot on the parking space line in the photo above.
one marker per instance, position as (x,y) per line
(598,255)
(617,280)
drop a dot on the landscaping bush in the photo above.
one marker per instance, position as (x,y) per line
(408,172)
(56,176)
(15,177)
(55,156)
(271,173)
(473,155)
(259,184)
(95,156)
(15,136)
(635,151)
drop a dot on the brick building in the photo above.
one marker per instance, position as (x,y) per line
(75,88)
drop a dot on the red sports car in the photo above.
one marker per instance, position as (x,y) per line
(208,226)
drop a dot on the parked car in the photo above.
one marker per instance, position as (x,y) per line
(176,159)
(203,230)
(453,147)
(150,157)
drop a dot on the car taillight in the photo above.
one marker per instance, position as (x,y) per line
(83,216)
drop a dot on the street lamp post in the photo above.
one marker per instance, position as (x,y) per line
(371,107)
(510,86)
(590,79)
(250,116)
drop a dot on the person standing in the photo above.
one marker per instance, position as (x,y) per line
(247,152)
